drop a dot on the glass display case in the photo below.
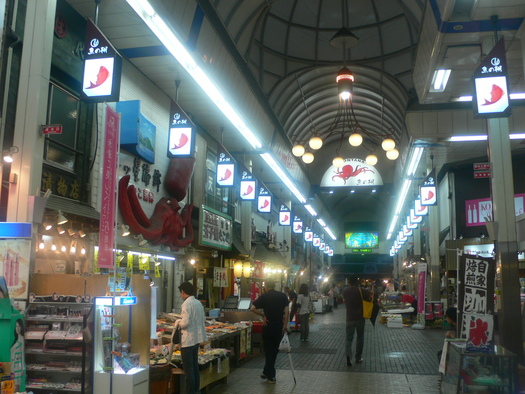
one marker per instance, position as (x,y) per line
(494,372)
(58,347)
(116,366)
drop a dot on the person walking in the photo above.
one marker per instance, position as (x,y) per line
(335,291)
(193,331)
(355,322)
(276,314)
(303,301)
(292,297)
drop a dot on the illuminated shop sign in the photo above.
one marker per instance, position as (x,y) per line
(491,91)
(428,189)
(308,235)
(285,216)
(102,68)
(297,225)
(264,199)
(225,167)
(181,137)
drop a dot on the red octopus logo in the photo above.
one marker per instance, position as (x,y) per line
(348,171)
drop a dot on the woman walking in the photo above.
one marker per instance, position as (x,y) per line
(303,300)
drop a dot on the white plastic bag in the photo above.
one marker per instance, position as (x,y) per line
(284,346)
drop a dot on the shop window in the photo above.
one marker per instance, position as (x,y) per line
(218,198)
(66,155)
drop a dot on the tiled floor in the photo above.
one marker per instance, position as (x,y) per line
(396,360)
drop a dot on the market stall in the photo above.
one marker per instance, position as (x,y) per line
(226,342)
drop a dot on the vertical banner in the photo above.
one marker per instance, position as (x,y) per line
(421,286)
(109,186)
(14,266)
(476,301)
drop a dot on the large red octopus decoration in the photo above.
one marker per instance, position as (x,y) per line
(348,171)
(166,226)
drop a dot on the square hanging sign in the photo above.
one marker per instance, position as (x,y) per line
(264,199)
(102,68)
(410,225)
(181,137)
(285,216)
(297,225)
(225,167)
(308,235)
(248,184)
(428,189)
(316,241)
(331,252)
(491,91)
(322,246)
(421,210)
(414,219)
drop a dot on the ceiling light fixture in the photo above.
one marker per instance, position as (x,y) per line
(48,225)
(8,154)
(345,125)
(61,230)
(71,232)
(61,218)
(81,233)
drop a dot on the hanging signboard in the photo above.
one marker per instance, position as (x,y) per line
(413,217)
(316,241)
(102,68)
(248,184)
(297,225)
(264,199)
(284,216)
(225,167)
(308,235)
(491,91)
(106,241)
(181,137)
(420,210)
(428,189)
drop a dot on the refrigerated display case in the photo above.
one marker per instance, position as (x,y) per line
(117,368)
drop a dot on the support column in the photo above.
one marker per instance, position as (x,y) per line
(31,107)
(507,282)
(433,253)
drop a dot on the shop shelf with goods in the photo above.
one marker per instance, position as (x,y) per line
(494,372)
(57,343)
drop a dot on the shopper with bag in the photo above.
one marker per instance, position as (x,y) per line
(275,313)
(355,321)
(303,306)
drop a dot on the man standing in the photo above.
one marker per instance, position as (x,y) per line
(193,332)
(275,322)
(354,318)
(292,297)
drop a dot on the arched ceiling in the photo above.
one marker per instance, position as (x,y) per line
(286,45)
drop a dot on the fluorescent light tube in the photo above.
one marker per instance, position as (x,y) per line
(269,159)
(441,79)
(414,160)
(330,233)
(463,138)
(321,222)
(310,209)
(517,136)
(168,38)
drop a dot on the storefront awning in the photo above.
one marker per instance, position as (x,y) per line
(238,246)
(73,207)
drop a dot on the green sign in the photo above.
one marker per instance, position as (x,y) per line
(362,250)
(216,229)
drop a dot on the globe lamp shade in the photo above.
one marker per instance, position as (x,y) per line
(338,161)
(315,143)
(371,160)
(308,157)
(355,139)
(298,150)
(392,154)
(388,144)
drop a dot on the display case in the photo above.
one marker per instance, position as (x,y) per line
(58,346)
(479,372)
(119,366)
